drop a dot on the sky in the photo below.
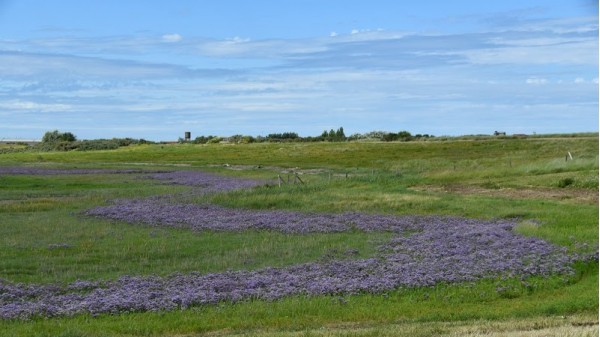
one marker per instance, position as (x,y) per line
(155,69)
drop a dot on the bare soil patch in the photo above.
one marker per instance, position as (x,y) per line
(564,194)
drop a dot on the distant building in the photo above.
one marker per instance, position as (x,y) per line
(499,133)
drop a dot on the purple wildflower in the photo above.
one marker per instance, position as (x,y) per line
(424,251)
(440,249)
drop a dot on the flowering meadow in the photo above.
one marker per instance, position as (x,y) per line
(424,251)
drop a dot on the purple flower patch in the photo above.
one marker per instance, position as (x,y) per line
(424,251)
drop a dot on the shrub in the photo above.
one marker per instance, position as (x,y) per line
(565,182)
(214,140)
(99,144)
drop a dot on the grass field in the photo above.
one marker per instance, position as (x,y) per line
(44,238)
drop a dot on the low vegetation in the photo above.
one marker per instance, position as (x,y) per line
(542,189)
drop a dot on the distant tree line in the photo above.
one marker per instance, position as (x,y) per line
(67,141)
(334,136)
(327,136)
(402,136)
(282,136)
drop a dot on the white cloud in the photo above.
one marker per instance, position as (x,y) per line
(237,39)
(577,52)
(536,81)
(333,34)
(266,49)
(537,41)
(579,80)
(172,38)
(562,25)
(37,66)
(20,105)
(259,106)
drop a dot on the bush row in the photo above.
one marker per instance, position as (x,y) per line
(66,141)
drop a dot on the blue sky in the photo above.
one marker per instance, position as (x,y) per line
(154,69)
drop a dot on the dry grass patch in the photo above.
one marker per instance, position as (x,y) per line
(360,201)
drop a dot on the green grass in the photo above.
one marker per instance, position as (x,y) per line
(45,239)
(56,247)
(412,155)
(561,222)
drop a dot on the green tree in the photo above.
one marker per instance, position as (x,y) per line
(404,135)
(68,137)
(56,136)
